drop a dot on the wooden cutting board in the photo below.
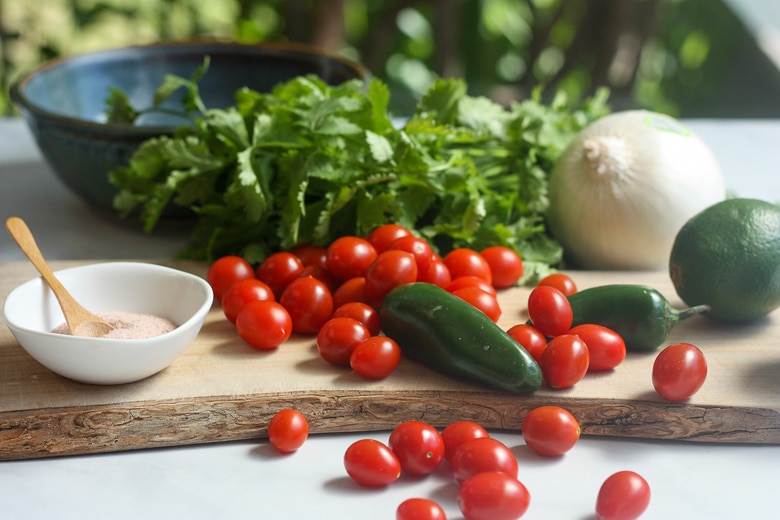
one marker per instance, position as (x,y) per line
(221,389)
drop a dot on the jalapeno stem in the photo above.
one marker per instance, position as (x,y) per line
(690,311)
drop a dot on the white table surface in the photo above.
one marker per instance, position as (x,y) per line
(249,480)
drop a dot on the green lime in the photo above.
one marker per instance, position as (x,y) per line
(728,257)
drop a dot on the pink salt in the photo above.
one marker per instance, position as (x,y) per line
(129,325)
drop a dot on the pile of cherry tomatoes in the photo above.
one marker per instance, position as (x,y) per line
(333,292)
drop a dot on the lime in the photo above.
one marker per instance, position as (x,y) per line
(728,257)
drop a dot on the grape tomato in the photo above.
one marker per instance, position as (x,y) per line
(371,463)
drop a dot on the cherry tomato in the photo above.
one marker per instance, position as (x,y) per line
(437,274)
(310,254)
(679,371)
(506,266)
(419,248)
(458,433)
(362,312)
(382,236)
(338,337)
(550,431)
(464,262)
(623,496)
(418,446)
(264,324)
(605,346)
(530,338)
(471,281)
(564,361)
(560,281)
(493,495)
(353,290)
(278,270)
(241,293)
(309,303)
(483,454)
(226,271)
(288,430)
(376,357)
(390,269)
(483,301)
(349,257)
(419,509)
(549,310)
(371,463)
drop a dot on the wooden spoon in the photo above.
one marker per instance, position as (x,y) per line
(80,321)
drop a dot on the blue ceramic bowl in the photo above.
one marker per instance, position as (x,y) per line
(63,101)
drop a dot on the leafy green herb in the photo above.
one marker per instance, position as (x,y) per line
(309,162)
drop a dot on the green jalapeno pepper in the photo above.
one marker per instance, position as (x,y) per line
(449,335)
(640,314)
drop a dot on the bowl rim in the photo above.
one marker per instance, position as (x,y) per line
(18,97)
(203,308)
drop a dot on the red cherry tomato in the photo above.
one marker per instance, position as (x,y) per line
(362,312)
(483,454)
(418,446)
(530,338)
(288,430)
(349,257)
(550,431)
(471,281)
(309,303)
(458,433)
(623,496)
(241,293)
(437,274)
(679,371)
(226,271)
(549,310)
(264,324)
(371,463)
(506,266)
(376,357)
(353,290)
(483,301)
(419,509)
(605,346)
(278,270)
(564,361)
(310,254)
(493,495)
(338,337)
(390,269)
(419,248)
(464,262)
(560,281)
(382,236)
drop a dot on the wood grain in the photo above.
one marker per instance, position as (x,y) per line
(220,389)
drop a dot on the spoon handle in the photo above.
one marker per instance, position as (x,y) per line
(75,314)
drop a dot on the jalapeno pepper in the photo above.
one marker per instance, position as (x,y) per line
(444,332)
(640,314)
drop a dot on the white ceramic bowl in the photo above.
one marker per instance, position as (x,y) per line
(31,311)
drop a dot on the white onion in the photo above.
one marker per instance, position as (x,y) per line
(625,186)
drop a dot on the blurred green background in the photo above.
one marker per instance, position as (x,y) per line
(687,58)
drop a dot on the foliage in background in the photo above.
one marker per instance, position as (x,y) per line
(688,58)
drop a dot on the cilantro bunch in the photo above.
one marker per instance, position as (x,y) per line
(309,162)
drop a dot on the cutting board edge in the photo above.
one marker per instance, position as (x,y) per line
(131,426)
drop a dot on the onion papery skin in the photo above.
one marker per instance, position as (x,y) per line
(625,186)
